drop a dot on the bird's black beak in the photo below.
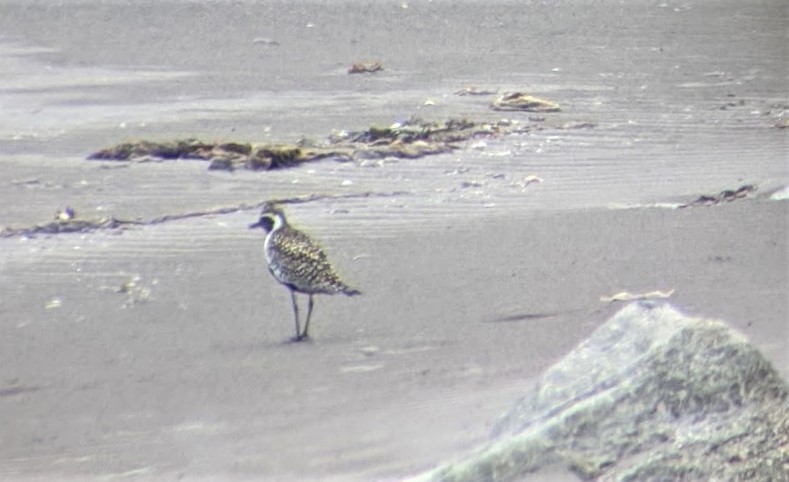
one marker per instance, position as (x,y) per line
(255,225)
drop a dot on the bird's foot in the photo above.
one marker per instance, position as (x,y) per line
(300,338)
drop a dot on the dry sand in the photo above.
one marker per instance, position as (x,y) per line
(473,284)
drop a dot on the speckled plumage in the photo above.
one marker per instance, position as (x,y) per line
(298,262)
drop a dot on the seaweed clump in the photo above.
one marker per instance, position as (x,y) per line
(178,149)
(414,138)
(725,196)
(365,68)
(524,102)
(61,226)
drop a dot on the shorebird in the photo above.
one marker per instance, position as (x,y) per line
(297,262)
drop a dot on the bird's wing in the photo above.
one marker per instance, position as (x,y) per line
(302,263)
(298,246)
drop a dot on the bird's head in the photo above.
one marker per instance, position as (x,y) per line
(271,218)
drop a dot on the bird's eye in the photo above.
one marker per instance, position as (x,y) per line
(267,222)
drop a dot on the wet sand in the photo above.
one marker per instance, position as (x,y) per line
(454,322)
(473,283)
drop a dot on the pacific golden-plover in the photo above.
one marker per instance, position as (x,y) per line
(298,262)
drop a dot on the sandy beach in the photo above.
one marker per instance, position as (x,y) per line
(159,351)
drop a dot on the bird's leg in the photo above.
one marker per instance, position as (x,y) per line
(307,323)
(295,314)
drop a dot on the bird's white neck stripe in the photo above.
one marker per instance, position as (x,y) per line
(279,221)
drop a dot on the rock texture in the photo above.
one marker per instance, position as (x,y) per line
(652,395)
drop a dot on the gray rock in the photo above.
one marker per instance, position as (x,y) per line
(651,395)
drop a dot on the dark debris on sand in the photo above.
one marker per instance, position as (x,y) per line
(725,196)
(411,139)
(365,67)
(222,155)
(65,226)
